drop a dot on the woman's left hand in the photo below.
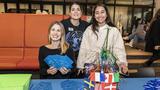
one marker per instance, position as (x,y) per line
(64,70)
(124,69)
(157,47)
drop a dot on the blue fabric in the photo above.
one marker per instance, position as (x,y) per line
(58,61)
(152,85)
(57,84)
(78,84)
(43,85)
(138,83)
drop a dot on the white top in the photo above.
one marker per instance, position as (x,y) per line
(91,45)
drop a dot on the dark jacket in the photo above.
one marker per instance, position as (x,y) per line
(153,36)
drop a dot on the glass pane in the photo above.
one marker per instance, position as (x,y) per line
(2,7)
(67,9)
(138,12)
(48,8)
(11,8)
(11,5)
(35,6)
(58,9)
(109,1)
(79,1)
(49,0)
(93,1)
(143,2)
(127,2)
(23,6)
(111,11)
(123,18)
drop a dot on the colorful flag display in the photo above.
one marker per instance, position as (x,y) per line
(104,77)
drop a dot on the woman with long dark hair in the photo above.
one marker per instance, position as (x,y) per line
(95,36)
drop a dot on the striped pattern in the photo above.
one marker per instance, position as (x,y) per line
(136,59)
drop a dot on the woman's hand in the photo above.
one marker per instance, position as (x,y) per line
(52,70)
(157,47)
(80,71)
(124,69)
(64,70)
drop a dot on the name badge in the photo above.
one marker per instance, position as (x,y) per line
(70,29)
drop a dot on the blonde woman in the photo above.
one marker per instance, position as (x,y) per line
(57,46)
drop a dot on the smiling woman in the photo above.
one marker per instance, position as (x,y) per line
(57,46)
(107,38)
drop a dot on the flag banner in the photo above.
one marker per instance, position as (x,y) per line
(104,77)
(88,84)
(109,86)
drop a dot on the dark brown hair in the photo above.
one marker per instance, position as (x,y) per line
(95,23)
(74,3)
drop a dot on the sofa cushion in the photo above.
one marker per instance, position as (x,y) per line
(31,53)
(36,29)
(28,64)
(30,61)
(9,64)
(12,30)
(11,53)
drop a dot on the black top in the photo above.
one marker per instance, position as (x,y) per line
(153,36)
(43,53)
(74,33)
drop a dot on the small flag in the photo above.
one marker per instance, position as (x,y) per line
(97,76)
(89,85)
(109,86)
(104,77)
(111,77)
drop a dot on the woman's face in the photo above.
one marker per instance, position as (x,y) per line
(55,32)
(100,15)
(75,12)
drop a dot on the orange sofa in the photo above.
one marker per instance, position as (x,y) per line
(20,37)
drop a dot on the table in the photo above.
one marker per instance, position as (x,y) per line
(77,84)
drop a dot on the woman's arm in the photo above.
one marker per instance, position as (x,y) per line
(83,49)
(43,66)
(119,51)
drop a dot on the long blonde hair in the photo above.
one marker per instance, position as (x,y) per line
(63,44)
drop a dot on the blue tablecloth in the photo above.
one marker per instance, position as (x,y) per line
(77,84)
